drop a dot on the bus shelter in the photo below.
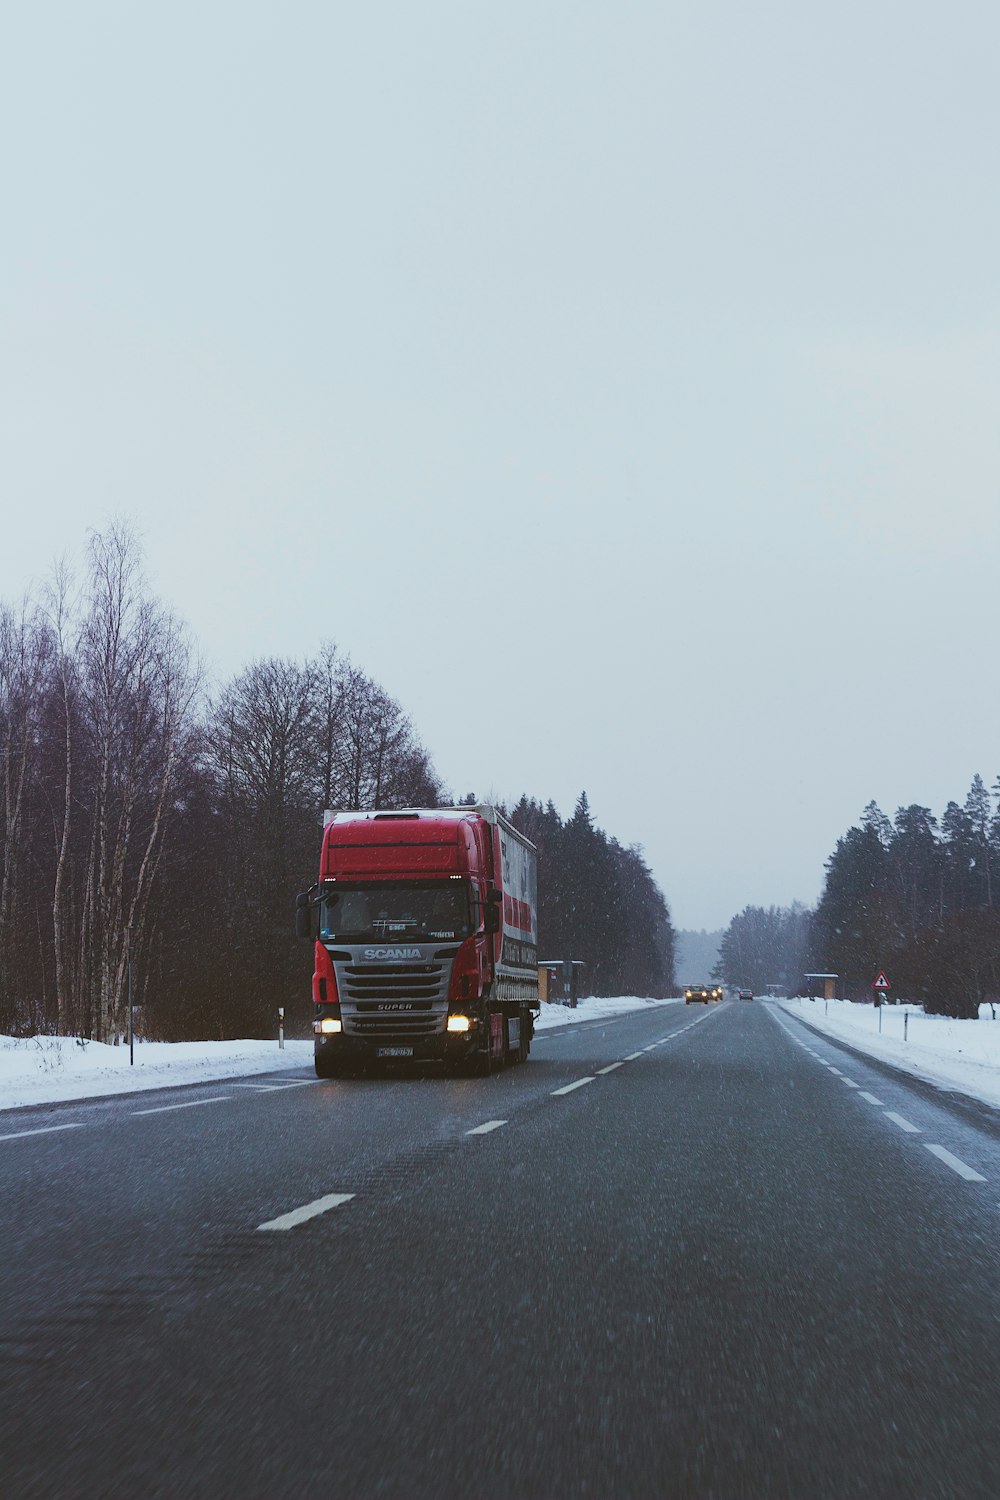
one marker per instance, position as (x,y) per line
(558,980)
(822,985)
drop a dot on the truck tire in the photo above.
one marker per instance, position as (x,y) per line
(479,1065)
(483,1062)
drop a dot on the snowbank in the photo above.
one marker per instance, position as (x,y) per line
(962,1055)
(45,1069)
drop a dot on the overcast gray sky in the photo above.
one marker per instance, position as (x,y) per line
(617,383)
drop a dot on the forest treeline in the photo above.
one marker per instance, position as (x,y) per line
(914,896)
(598,903)
(146,818)
(766,946)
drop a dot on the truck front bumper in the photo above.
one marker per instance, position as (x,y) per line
(442,1047)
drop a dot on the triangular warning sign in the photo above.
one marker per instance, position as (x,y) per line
(880,983)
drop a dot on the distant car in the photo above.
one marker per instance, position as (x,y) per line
(702,993)
(746,994)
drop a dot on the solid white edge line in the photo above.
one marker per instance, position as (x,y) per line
(307,1211)
(191,1104)
(871,1099)
(903,1124)
(571,1086)
(485,1128)
(19,1135)
(609,1069)
(955,1163)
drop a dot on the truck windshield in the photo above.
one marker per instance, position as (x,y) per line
(396,911)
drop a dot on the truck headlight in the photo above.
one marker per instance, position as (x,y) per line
(328,1025)
(459,1023)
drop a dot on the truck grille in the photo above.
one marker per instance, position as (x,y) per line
(393,981)
(367,991)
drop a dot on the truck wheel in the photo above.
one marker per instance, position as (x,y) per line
(520,1053)
(483,1063)
(479,1065)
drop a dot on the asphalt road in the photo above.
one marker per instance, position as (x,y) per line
(685,1253)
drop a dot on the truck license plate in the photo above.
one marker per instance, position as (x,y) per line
(393,1051)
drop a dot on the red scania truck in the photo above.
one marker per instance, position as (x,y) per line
(426,930)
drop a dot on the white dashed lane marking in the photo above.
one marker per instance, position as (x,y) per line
(609,1069)
(295,1083)
(632,1057)
(307,1211)
(486,1128)
(571,1086)
(955,1163)
(276,1088)
(162,1109)
(903,1124)
(19,1135)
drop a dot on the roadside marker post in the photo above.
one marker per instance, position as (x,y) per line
(281,1028)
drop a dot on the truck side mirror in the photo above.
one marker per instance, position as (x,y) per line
(491,917)
(303,915)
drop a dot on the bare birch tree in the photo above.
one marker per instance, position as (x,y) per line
(60,615)
(25,659)
(137,685)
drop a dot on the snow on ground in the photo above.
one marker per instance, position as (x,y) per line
(959,1055)
(45,1069)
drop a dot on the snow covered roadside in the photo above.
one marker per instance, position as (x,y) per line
(46,1069)
(960,1055)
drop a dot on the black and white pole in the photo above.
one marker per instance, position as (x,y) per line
(281,1028)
